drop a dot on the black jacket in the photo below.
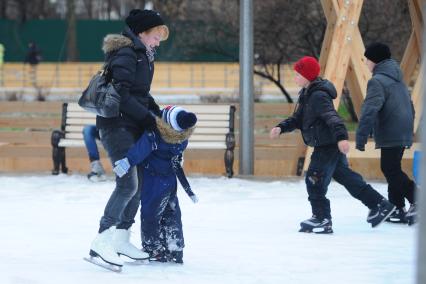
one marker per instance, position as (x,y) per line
(387,111)
(315,115)
(131,74)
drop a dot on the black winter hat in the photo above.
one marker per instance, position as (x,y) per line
(377,52)
(143,20)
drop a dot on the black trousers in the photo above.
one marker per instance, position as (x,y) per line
(400,186)
(328,162)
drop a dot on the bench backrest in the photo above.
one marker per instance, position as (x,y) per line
(214,122)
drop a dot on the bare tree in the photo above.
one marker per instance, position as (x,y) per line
(387,21)
(72,52)
(282,37)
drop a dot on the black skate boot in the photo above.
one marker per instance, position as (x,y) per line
(175,256)
(316,225)
(398,216)
(377,215)
(158,255)
(411,215)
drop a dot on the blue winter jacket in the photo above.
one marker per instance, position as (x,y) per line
(155,150)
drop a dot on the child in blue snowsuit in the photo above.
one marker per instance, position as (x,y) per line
(160,151)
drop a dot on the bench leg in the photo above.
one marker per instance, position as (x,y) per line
(229,154)
(58,153)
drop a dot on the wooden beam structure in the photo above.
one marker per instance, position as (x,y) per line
(342,51)
(342,54)
(411,60)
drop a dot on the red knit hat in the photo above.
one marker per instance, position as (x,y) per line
(308,67)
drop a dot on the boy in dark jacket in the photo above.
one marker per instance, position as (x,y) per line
(323,129)
(388,113)
(160,152)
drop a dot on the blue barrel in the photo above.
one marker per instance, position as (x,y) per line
(417,160)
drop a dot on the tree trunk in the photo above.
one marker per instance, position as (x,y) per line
(72,52)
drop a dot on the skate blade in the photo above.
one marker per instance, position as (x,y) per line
(386,217)
(323,232)
(396,221)
(97,261)
(137,262)
(133,261)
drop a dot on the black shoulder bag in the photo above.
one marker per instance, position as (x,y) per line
(100,97)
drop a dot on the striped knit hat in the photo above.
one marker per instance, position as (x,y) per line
(178,118)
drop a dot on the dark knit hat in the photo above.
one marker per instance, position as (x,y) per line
(143,20)
(308,67)
(178,118)
(377,52)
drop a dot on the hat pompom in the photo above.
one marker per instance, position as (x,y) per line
(178,118)
(185,119)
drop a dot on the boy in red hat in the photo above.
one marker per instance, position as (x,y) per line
(323,129)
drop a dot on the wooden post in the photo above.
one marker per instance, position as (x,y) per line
(342,52)
(412,57)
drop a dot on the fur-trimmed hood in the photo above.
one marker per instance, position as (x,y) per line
(114,42)
(170,135)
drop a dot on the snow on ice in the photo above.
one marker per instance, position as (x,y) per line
(241,231)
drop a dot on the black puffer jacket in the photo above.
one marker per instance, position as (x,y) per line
(316,117)
(387,111)
(132,75)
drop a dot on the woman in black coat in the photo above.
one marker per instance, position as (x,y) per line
(132,68)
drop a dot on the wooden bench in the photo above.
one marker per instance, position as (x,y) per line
(214,130)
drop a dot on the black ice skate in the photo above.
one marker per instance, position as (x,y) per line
(316,225)
(175,256)
(411,215)
(158,255)
(398,216)
(377,215)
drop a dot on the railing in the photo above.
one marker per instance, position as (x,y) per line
(204,77)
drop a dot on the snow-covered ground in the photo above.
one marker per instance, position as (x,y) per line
(241,231)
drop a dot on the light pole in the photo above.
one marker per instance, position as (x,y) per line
(246,152)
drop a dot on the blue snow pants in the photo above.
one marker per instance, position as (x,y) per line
(161,224)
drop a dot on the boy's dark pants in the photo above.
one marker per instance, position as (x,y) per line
(328,162)
(400,186)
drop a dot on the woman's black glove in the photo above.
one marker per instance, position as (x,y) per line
(153,107)
(148,123)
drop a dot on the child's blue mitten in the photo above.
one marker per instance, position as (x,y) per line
(121,167)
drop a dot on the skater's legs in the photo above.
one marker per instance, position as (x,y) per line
(318,177)
(399,184)
(355,184)
(171,225)
(117,142)
(155,195)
